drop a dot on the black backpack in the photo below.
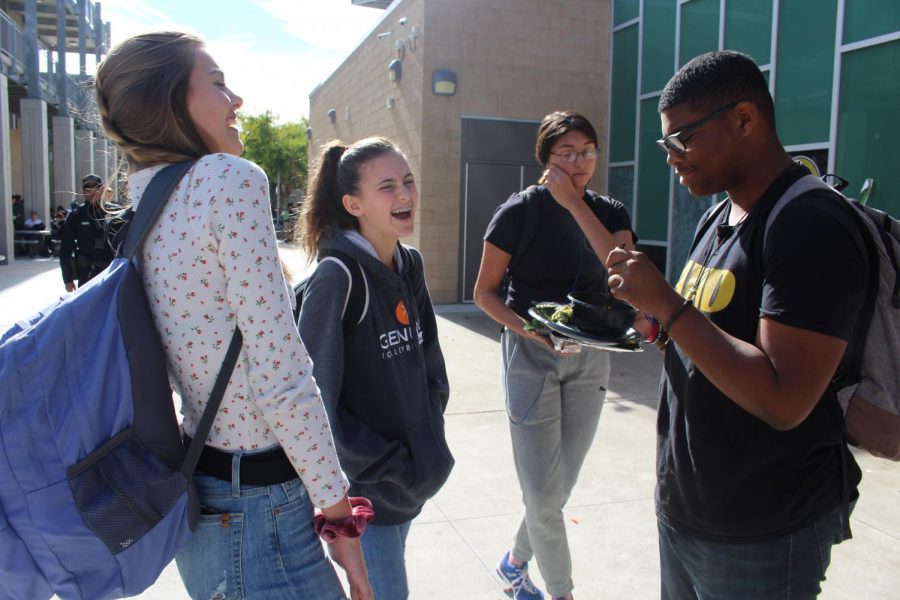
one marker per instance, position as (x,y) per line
(359,291)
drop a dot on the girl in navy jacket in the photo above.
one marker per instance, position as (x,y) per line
(381,372)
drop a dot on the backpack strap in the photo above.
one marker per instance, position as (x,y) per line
(212,407)
(798,188)
(888,231)
(711,216)
(152,202)
(139,223)
(358,296)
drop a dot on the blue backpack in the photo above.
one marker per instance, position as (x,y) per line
(96,495)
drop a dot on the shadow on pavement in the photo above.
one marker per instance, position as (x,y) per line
(474,320)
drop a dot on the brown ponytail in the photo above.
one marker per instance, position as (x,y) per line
(337,174)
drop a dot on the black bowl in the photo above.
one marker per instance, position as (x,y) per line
(601,314)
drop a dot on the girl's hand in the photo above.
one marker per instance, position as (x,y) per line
(347,553)
(559,184)
(535,336)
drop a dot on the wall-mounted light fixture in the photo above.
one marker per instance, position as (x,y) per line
(443,82)
(395,70)
(308,132)
(332,115)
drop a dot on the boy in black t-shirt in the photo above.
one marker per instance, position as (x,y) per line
(752,467)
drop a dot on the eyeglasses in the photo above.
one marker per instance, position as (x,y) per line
(677,142)
(90,188)
(572,156)
(835,181)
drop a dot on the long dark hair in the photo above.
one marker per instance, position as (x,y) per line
(337,174)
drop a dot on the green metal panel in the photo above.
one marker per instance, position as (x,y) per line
(804,71)
(623,100)
(870,18)
(652,177)
(699,28)
(658,57)
(748,28)
(625,10)
(686,213)
(868,127)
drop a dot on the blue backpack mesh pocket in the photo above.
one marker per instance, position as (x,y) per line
(123,489)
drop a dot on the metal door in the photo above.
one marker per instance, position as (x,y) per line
(497,160)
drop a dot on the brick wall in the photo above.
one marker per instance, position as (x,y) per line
(514,59)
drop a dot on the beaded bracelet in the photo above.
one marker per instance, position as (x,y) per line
(350,527)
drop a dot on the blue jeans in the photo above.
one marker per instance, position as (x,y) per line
(256,542)
(384,549)
(787,568)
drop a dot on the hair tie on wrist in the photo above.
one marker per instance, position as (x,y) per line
(350,527)
(655,328)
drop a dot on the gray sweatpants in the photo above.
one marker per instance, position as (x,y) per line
(553,402)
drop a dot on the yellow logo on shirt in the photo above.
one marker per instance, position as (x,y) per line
(711,289)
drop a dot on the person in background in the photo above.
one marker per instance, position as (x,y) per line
(382,378)
(18,211)
(211,265)
(86,242)
(34,222)
(553,400)
(56,227)
(754,479)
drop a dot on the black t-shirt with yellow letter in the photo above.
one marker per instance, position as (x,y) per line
(723,474)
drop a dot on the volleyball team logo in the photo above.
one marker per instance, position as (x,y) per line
(401,314)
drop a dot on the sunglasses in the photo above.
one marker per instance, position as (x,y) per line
(677,142)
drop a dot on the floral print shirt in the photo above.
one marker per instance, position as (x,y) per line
(209,264)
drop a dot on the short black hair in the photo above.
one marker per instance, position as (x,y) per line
(557,124)
(715,79)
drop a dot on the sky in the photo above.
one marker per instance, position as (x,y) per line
(273,52)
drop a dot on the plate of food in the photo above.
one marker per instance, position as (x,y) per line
(558,319)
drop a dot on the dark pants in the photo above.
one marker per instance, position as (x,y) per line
(86,269)
(788,568)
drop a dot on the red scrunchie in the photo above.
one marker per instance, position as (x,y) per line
(351,527)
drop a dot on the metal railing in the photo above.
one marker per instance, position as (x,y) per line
(12,50)
(12,64)
(48,76)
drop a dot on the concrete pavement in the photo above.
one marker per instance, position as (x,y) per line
(455,543)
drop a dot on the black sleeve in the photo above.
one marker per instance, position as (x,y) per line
(506,225)
(67,247)
(612,214)
(815,264)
